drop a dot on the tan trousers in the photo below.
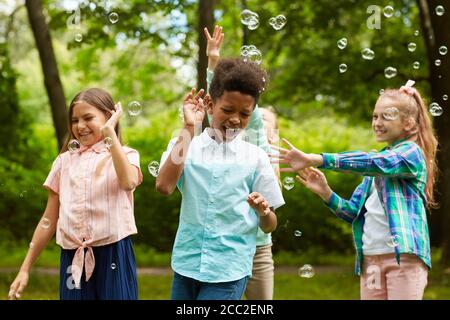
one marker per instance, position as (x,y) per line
(260,285)
(383,278)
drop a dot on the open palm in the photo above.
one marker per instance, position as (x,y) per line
(314,180)
(296,159)
(215,42)
(194,108)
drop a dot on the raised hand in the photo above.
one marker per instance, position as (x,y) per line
(109,126)
(18,285)
(314,180)
(296,159)
(215,42)
(194,108)
(259,203)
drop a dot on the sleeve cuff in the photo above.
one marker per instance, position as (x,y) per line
(333,203)
(330,161)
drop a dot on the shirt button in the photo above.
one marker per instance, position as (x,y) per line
(205,251)
(211,200)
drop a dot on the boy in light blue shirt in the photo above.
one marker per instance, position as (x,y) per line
(228,187)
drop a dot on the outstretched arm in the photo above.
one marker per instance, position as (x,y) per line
(347,210)
(42,234)
(405,160)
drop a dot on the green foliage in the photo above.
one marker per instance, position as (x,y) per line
(303,57)
(20,168)
(22,197)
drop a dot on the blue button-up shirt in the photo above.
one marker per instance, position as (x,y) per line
(216,236)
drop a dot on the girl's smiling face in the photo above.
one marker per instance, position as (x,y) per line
(388,123)
(86,123)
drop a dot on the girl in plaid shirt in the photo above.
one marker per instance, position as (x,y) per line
(387,210)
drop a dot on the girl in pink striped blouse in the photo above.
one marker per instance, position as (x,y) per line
(90,206)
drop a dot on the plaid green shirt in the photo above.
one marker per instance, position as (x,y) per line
(400,176)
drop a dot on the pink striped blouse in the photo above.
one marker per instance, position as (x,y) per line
(94,210)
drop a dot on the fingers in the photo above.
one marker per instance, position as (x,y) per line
(316,171)
(301,180)
(303,174)
(216,32)
(199,94)
(287,170)
(192,95)
(207,99)
(220,40)
(20,290)
(291,146)
(15,290)
(255,197)
(207,35)
(12,294)
(281,150)
(266,211)
(279,160)
(118,106)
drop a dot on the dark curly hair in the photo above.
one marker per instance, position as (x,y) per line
(235,74)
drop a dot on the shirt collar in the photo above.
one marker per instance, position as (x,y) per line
(97,147)
(397,142)
(206,140)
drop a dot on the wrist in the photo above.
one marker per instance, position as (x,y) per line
(108,132)
(190,128)
(212,62)
(316,160)
(264,214)
(326,194)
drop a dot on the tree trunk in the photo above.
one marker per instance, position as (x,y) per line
(52,81)
(205,19)
(244,27)
(436,30)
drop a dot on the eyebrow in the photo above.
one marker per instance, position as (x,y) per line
(84,115)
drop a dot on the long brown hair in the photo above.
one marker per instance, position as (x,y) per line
(422,133)
(97,98)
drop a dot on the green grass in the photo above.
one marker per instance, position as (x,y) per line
(334,277)
(335,284)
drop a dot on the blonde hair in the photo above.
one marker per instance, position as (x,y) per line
(422,132)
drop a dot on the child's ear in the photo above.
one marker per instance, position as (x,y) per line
(210,107)
(409,124)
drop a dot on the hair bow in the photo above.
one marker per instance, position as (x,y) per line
(408,88)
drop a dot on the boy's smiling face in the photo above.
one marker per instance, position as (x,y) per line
(231,113)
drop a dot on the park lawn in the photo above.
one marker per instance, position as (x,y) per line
(335,284)
(334,277)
